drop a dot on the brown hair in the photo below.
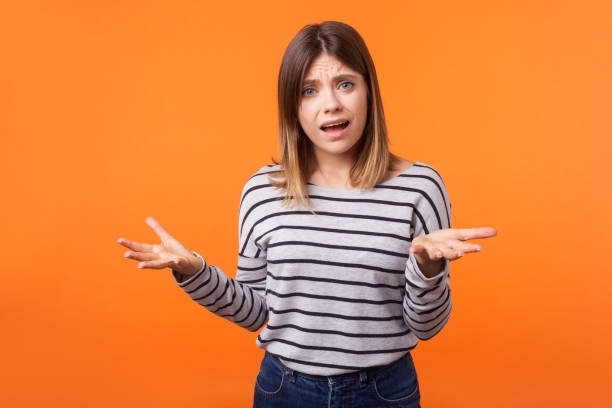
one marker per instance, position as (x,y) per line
(373,158)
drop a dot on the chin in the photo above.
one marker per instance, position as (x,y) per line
(337,147)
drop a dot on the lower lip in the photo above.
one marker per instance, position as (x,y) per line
(336,132)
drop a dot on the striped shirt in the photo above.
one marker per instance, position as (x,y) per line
(337,291)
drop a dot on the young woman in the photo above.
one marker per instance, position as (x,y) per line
(345,248)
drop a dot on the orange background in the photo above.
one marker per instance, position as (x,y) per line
(112,111)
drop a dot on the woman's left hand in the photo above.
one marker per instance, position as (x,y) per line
(448,243)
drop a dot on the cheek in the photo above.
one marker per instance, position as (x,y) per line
(302,118)
(363,102)
(358,103)
(306,117)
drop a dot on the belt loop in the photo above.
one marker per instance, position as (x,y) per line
(363,378)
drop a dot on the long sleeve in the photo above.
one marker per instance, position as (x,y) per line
(240,300)
(427,301)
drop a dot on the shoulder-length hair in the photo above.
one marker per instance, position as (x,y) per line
(373,158)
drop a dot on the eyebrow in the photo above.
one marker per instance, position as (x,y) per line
(342,76)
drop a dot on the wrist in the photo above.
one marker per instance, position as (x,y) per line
(429,267)
(198,263)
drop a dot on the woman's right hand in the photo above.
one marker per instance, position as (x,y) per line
(170,253)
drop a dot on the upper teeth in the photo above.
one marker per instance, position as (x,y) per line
(334,124)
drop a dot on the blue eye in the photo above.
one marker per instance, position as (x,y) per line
(304,92)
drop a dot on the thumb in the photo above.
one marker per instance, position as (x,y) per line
(416,248)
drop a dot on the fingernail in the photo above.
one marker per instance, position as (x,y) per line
(126,254)
(140,265)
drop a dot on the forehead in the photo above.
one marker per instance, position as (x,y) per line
(327,66)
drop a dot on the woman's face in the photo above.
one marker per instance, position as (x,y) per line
(331,93)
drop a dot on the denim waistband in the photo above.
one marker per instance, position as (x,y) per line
(346,377)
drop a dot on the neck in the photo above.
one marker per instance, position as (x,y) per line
(332,169)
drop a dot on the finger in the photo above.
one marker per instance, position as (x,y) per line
(434,253)
(141,256)
(416,248)
(158,264)
(157,228)
(135,246)
(467,248)
(451,250)
(451,253)
(464,247)
(473,233)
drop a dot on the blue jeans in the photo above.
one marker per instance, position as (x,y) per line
(278,386)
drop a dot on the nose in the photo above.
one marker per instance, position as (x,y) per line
(330,101)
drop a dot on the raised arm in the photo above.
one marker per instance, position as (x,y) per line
(427,300)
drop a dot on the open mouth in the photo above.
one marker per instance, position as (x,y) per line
(339,126)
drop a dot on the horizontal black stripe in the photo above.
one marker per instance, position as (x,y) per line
(328,198)
(361,200)
(243,268)
(336,349)
(416,212)
(324,213)
(334,298)
(248,282)
(421,176)
(333,230)
(330,280)
(336,316)
(342,264)
(336,332)
(343,247)
(365,200)
(280,171)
